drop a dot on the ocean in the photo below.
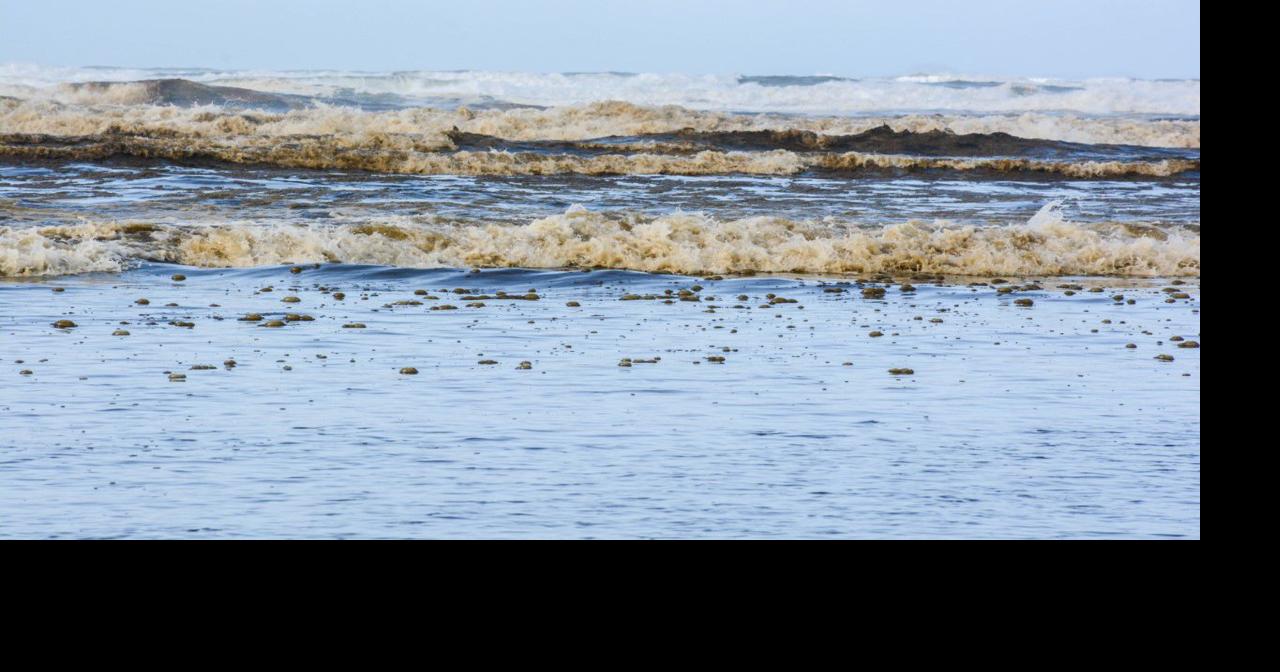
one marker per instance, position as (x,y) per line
(602,305)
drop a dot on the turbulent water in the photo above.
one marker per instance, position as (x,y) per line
(989,206)
(86,150)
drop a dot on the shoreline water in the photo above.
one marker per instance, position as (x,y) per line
(666,415)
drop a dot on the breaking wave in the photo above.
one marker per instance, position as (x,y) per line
(421,141)
(1047,245)
(324,153)
(431,126)
(814,95)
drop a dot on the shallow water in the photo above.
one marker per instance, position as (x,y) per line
(1017,421)
(740,387)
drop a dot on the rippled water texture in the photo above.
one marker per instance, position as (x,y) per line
(1016,421)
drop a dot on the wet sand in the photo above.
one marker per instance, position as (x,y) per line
(384,402)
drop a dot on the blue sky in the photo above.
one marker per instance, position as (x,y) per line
(1075,38)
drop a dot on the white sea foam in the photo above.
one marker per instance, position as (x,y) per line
(829,96)
(676,243)
(97,111)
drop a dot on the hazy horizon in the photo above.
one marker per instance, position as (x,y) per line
(1083,39)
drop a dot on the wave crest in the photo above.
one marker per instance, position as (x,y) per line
(430,126)
(785,94)
(1048,245)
